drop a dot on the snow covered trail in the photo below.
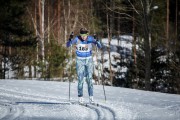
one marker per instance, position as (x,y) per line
(47,100)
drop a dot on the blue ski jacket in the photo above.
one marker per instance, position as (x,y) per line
(84,47)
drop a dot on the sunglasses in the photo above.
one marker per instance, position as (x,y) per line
(83,35)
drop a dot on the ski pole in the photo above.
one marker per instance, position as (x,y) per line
(103,86)
(71,36)
(70,73)
(101,75)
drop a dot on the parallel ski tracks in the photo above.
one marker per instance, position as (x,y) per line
(27,96)
(12,111)
(103,112)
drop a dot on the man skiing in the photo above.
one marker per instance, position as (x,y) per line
(84,61)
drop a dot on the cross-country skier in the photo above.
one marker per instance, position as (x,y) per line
(84,60)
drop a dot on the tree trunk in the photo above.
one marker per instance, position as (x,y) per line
(65,21)
(146,11)
(43,31)
(176,25)
(1,61)
(109,48)
(40,17)
(112,5)
(119,28)
(134,48)
(30,71)
(167,24)
(35,27)
(59,17)
(48,26)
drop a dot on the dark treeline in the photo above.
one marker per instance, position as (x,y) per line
(33,34)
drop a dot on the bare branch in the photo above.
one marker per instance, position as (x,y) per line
(133,7)
(33,21)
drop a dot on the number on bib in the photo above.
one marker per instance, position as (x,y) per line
(82,47)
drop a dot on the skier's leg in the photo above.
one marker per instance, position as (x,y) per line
(80,74)
(89,72)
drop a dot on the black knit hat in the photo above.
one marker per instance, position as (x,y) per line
(83,31)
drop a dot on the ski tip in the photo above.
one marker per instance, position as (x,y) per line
(96,104)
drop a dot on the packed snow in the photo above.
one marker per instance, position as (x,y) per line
(49,100)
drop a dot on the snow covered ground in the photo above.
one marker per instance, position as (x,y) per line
(47,100)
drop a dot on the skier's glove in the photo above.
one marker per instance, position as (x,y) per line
(95,37)
(71,36)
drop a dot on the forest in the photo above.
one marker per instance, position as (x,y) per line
(33,36)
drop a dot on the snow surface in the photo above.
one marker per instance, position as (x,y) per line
(48,100)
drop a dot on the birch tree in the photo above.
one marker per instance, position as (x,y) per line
(42,30)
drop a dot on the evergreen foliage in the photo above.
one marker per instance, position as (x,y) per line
(14,35)
(57,60)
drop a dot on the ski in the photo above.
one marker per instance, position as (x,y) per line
(77,103)
(85,104)
(95,104)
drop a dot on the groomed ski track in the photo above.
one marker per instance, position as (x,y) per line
(46,100)
(14,110)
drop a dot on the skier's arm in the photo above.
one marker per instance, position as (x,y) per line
(97,42)
(71,41)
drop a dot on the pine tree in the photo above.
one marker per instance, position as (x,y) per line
(14,32)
